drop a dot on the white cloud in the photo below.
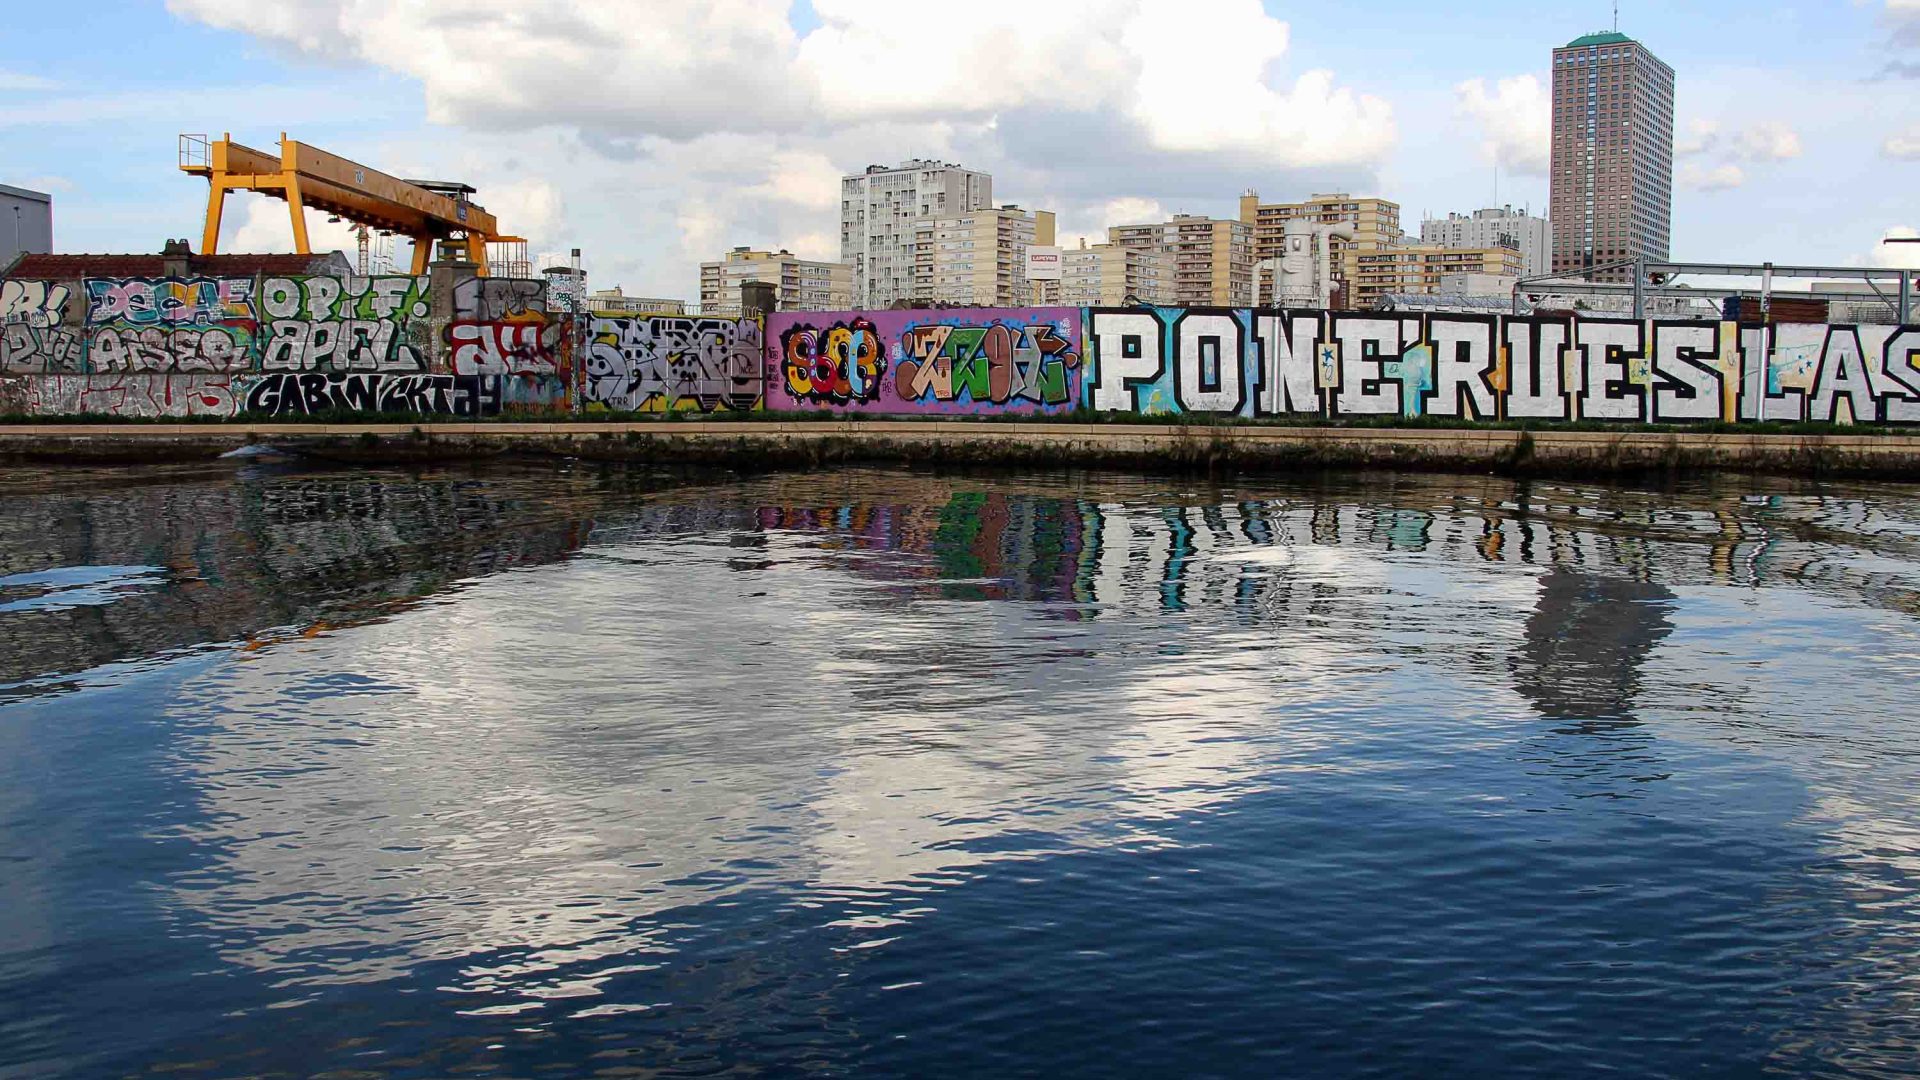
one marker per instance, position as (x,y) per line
(19,80)
(1701,177)
(1903,145)
(1191,75)
(1899,256)
(699,125)
(1515,119)
(527,206)
(1130,210)
(802,177)
(263,224)
(1695,137)
(1767,141)
(1200,87)
(1902,19)
(678,67)
(1719,159)
(883,58)
(1756,143)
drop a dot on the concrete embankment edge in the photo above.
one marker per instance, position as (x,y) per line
(972,442)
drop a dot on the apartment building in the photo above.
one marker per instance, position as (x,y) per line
(1374,222)
(614,302)
(879,211)
(1211,259)
(1496,226)
(1612,171)
(1107,275)
(977,256)
(1420,268)
(799,284)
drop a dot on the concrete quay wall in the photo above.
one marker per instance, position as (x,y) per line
(818,442)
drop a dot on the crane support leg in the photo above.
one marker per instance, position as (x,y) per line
(422,253)
(477,252)
(216,201)
(299,212)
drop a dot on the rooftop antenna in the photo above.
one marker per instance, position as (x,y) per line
(1616,16)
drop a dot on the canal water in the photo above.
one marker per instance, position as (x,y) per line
(559,771)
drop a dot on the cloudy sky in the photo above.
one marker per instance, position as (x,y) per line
(657,133)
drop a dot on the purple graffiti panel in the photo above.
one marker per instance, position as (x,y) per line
(957,361)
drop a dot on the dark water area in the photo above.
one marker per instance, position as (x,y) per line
(537,771)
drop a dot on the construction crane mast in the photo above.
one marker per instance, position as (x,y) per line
(428,211)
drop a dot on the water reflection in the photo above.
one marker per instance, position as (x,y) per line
(703,770)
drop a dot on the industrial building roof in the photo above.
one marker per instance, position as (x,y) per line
(61,267)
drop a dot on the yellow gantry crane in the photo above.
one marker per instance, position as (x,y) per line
(426,210)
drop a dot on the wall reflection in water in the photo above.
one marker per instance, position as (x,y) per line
(563,745)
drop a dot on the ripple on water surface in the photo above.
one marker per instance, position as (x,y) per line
(519,772)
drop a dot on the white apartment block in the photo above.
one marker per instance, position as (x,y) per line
(1497,226)
(879,210)
(1106,275)
(799,284)
(977,256)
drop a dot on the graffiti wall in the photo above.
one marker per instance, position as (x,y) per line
(501,327)
(663,363)
(278,346)
(344,324)
(1342,365)
(170,325)
(34,339)
(958,361)
(301,346)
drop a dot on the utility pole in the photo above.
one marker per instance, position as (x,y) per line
(582,332)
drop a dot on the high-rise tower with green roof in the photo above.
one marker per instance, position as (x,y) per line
(1612,197)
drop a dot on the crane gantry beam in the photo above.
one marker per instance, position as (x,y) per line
(306,176)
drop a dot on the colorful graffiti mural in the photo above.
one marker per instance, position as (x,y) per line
(128,395)
(112,345)
(212,346)
(664,363)
(323,323)
(32,337)
(974,360)
(1484,367)
(500,326)
(164,325)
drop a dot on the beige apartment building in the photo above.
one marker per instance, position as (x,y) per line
(1419,268)
(1105,275)
(799,284)
(1375,224)
(614,302)
(977,256)
(1211,259)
